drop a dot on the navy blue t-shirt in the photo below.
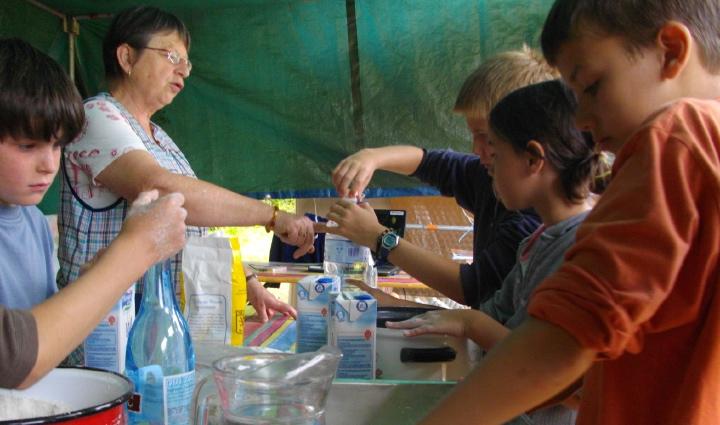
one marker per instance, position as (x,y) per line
(497,232)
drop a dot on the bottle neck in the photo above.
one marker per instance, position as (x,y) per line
(158,290)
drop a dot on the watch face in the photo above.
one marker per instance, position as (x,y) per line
(390,240)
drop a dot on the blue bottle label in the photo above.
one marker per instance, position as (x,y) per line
(146,406)
(161,399)
(178,391)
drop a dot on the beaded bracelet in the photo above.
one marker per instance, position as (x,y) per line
(271,224)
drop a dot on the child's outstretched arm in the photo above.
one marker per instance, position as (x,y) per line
(353,174)
(534,363)
(151,232)
(473,324)
(359,224)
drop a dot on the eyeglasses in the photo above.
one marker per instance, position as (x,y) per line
(174,57)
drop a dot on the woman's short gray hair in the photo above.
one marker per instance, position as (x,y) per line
(136,26)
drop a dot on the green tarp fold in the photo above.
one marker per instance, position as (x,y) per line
(269,107)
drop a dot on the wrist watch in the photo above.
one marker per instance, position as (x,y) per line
(387,241)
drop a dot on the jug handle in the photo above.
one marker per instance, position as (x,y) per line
(199,416)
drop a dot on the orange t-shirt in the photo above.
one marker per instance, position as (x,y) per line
(640,286)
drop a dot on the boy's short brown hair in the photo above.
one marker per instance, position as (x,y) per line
(37,99)
(500,75)
(636,21)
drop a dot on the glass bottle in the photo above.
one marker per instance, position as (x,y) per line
(160,359)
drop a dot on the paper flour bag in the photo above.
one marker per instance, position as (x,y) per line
(213,290)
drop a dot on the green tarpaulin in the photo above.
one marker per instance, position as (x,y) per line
(272,104)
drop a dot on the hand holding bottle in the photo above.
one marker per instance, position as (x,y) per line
(157,223)
(355,222)
(345,256)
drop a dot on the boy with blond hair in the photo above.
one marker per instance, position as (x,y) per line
(493,80)
(635,308)
(497,231)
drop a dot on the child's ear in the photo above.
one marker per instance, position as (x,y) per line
(535,155)
(675,41)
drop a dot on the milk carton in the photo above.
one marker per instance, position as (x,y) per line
(105,346)
(352,329)
(313,307)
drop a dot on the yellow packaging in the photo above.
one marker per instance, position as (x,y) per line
(213,291)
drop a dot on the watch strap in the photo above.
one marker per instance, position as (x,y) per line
(378,244)
(383,250)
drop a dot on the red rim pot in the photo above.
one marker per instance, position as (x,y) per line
(96,397)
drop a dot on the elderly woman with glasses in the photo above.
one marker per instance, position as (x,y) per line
(122,152)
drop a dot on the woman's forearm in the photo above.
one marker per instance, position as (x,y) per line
(210,205)
(207,204)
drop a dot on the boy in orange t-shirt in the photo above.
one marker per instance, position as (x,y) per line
(635,308)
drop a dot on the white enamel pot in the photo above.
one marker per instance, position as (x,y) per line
(91,396)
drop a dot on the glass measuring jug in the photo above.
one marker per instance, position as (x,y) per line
(268,389)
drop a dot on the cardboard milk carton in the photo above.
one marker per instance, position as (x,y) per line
(105,346)
(352,329)
(313,307)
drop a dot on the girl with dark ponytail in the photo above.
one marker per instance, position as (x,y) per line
(540,160)
(543,116)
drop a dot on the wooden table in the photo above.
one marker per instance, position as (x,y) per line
(272,272)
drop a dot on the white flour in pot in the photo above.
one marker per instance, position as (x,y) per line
(12,407)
